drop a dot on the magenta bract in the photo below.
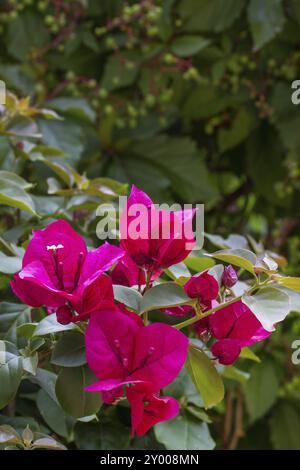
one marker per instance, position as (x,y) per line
(58,270)
(235,326)
(154,238)
(120,350)
(127,273)
(149,409)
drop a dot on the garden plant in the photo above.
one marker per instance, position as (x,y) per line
(170,321)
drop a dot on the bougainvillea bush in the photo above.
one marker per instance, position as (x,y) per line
(116,328)
(149,342)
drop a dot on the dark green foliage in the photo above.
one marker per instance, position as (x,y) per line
(191,101)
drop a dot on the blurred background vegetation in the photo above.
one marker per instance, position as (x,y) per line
(189,100)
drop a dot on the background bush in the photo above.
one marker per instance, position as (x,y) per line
(189,100)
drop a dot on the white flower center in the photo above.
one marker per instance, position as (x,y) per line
(54,247)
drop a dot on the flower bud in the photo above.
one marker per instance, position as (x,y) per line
(229,276)
(64,315)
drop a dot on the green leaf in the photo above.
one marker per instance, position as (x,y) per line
(109,434)
(20,39)
(8,175)
(8,435)
(238,257)
(10,264)
(10,373)
(181,163)
(186,46)
(178,271)
(30,363)
(27,436)
(66,135)
(209,15)
(205,376)
(261,390)
(73,106)
(264,151)
(48,443)
(292,283)
(285,427)
(233,373)
(184,389)
(270,305)
(69,351)
(233,241)
(184,433)
(242,125)
(47,381)
(128,296)
(15,196)
(199,263)
(164,295)
(115,68)
(247,353)
(217,271)
(266,19)
(53,414)
(26,329)
(50,325)
(11,316)
(71,395)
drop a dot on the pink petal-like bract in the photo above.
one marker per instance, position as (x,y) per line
(149,409)
(235,326)
(155,238)
(203,286)
(226,350)
(127,273)
(120,350)
(58,270)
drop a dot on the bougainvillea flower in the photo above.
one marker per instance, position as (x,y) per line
(203,287)
(155,238)
(127,273)
(121,350)
(58,271)
(111,396)
(226,351)
(229,276)
(235,326)
(148,409)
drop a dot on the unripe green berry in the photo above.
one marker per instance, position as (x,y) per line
(110,43)
(116,81)
(39,88)
(132,123)
(103,93)
(100,31)
(120,123)
(150,100)
(49,20)
(129,65)
(12,15)
(54,28)
(132,111)
(92,83)
(70,75)
(169,59)
(152,31)
(42,6)
(108,109)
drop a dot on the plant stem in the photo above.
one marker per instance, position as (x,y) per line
(196,318)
